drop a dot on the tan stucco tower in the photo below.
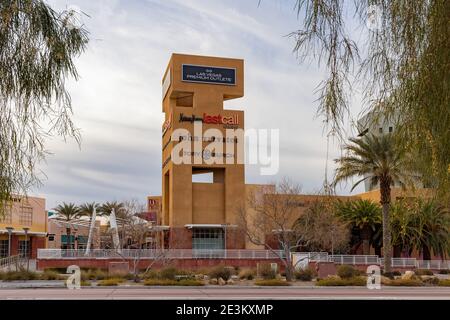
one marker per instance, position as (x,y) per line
(202,215)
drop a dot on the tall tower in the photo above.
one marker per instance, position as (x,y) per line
(202,215)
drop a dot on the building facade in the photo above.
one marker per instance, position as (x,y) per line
(23,227)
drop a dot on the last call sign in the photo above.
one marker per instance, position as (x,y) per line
(208,74)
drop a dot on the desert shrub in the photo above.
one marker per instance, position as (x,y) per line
(221,272)
(248,274)
(151,274)
(433,281)
(20,275)
(96,274)
(337,281)
(2,275)
(423,272)
(266,272)
(444,283)
(168,282)
(168,273)
(50,275)
(58,270)
(306,274)
(110,282)
(346,271)
(271,282)
(405,283)
(444,271)
(85,283)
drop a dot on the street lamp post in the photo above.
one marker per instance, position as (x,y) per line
(10,229)
(26,247)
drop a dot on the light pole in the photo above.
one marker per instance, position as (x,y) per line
(26,247)
(10,229)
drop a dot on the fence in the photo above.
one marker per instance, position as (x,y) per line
(156,254)
(236,254)
(12,261)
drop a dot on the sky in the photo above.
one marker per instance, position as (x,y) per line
(117,100)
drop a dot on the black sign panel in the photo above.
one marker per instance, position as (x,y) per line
(208,74)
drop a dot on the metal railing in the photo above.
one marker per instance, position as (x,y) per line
(433,264)
(8,262)
(354,259)
(156,253)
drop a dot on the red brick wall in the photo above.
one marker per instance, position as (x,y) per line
(36,243)
(235,238)
(272,241)
(179,263)
(180,238)
(14,245)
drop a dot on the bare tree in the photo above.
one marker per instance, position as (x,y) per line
(268,217)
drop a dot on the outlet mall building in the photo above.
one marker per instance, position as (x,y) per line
(205,215)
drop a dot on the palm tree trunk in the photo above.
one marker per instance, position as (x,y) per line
(69,245)
(365,235)
(426,255)
(385,190)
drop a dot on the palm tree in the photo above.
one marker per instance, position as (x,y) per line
(365,215)
(106,208)
(423,225)
(432,222)
(379,160)
(87,209)
(67,213)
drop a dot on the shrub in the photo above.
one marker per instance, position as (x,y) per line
(50,275)
(248,274)
(433,281)
(271,282)
(444,271)
(95,274)
(405,283)
(151,274)
(266,272)
(306,274)
(444,283)
(20,275)
(221,272)
(337,281)
(85,283)
(423,272)
(168,273)
(168,282)
(110,282)
(346,272)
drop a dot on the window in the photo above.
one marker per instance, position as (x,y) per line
(4,248)
(380,130)
(7,217)
(390,129)
(208,238)
(26,216)
(51,237)
(25,247)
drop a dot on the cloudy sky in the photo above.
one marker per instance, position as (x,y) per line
(117,100)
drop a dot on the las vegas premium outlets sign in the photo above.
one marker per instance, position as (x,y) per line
(208,74)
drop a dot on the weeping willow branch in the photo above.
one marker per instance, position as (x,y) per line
(37,48)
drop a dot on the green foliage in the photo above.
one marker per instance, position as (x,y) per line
(94,274)
(346,271)
(50,275)
(37,48)
(168,282)
(85,283)
(336,281)
(266,272)
(402,69)
(20,275)
(221,272)
(110,282)
(444,283)
(168,273)
(444,271)
(306,274)
(405,282)
(271,282)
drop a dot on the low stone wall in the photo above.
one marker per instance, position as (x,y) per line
(100,263)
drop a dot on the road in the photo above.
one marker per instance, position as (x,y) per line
(191,293)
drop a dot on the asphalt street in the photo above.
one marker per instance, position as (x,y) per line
(195,293)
